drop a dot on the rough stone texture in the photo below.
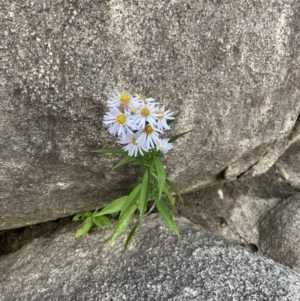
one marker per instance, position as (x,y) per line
(157,266)
(289,165)
(279,233)
(234,210)
(233,68)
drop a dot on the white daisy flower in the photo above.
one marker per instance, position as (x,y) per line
(135,108)
(162,117)
(148,137)
(163,145)
(139,101)
(123,101)
(146,113)
(119,122)
(133,147)
(142,99)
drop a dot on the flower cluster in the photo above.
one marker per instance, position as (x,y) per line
(138,121)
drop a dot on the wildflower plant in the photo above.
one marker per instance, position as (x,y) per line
(139,122)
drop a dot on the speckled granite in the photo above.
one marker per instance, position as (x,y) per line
(157,266)
(233,68)
(279,233)
(235,210)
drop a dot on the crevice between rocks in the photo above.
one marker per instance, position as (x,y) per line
(14,239)
(241,168)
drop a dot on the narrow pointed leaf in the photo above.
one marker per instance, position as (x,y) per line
(174,138)
(174,188)
(130,235)
(166,215)
(113,207)
(176,115)
(144,195)
(124,161)
(131,199)
(101,221)
(161,175)
(85,228)
(123,222)
(108,151)
(169,195)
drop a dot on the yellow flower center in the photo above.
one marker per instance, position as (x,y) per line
(133,140)
(125,98)
(145,112)
(121,119)
(160,114)
(148,129)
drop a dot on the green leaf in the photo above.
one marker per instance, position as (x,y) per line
(108,151)
(174,188)
(131,199)
(113,207)
(78,216)
(85,228)
(124,161)
(130,235)
(101,221)
(81,215)
(176,115)
(169,195)
(145,190)
(174,138)
(123,222)
(136,163)
(166,215)
(161,175)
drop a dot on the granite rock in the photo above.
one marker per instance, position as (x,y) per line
(279,233)
(234,210)
(234,69)
(156,266)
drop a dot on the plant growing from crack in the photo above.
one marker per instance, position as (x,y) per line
(138,122)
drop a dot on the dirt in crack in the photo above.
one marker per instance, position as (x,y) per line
(13,239)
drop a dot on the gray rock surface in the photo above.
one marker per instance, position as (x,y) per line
(234,69)
(289,165)
(279,233)
(157,266)
(234,210)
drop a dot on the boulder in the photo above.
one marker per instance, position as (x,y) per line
(279,233)
(232,68)
(288,166)
(234,210)
(156,266)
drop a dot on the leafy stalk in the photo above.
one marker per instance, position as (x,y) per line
(123,222)
(154,185)
(174,188)
(145,190)
(113,207)
(166,215)
(130,235)
(161,175)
